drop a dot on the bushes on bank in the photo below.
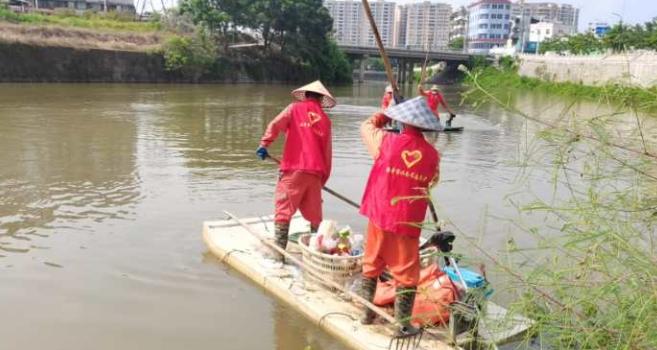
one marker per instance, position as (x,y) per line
(190,55)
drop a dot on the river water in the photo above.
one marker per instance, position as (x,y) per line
(104,188)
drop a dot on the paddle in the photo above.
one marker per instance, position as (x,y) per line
(336,194)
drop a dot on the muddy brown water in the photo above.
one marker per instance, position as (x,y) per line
(104,188)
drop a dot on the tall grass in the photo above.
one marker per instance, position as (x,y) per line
(506,82)
(89,20)
(589,279)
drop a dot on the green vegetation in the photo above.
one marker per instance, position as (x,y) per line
(457,44)
(89,20)
(582,261)
(296,29)
(190,55)
(619,38)
(505,82)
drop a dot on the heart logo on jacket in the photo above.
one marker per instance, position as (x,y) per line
(411,158)
(314,117)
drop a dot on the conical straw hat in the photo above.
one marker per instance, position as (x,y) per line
(316,86)
(414,112)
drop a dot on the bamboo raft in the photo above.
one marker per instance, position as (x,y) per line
(234,245)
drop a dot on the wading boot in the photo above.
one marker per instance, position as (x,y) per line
(281,232)
(404,300)
(367,291)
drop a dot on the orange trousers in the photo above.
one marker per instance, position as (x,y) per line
(298,190)
(399,253)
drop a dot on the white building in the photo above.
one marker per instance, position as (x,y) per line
(399,28)
(528,12)
(539,32)
(458,23)
(427,25)
(489,24)
(352,27)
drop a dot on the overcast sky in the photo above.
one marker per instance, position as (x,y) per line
(633,11)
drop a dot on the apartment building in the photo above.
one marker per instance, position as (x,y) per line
(458,23)
(399,27)
(427,25)
(547,12)
(352,27)
(488,25)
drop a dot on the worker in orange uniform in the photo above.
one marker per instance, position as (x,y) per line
(405,165)
(388,98)
(434,99)
(306,163)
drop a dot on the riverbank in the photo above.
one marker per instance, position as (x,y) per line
(505,81)
(64,47)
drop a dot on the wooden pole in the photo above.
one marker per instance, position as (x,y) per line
(382,51)
(336,194)
(329,283)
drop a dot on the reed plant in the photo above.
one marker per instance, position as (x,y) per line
(587,276)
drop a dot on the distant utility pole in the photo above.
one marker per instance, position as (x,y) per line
(105,2)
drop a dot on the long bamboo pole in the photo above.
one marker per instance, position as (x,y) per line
(336,194)
(289,257)
(382,52)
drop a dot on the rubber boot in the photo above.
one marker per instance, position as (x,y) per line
(367,291)
(281,232)
(404,300)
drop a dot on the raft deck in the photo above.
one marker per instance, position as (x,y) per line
(235,246)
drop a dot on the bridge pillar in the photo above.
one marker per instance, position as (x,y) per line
(402,72)
(361,72)
(409,79)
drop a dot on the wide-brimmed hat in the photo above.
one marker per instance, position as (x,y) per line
(435,88)
(414,112)
(316,86)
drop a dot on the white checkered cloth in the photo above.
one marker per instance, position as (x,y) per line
(414,112)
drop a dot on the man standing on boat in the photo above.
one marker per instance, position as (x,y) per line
(388,98)
(434,99)
(307,154)
(405,165)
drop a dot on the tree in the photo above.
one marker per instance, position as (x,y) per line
(457,44)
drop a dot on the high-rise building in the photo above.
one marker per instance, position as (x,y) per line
(489,24)
(347,18)
(399,28)
(458,23)
(352,27)
(427,25)
(546,12)
(384,17)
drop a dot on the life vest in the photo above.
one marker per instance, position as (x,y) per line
(404,168)
(386,101)
(435,292)
(308,140)
(433,100)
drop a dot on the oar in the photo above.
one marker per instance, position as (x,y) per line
(290,258)
(337,195)
(382,52)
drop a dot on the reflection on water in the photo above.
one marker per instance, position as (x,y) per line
(62,167)
(103,189)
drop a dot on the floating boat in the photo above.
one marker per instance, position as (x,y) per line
(234,245)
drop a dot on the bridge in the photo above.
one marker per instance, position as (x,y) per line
(405,60)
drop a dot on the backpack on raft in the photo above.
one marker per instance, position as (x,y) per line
(435,293)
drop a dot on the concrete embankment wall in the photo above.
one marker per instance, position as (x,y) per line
(635,69)
(32,63)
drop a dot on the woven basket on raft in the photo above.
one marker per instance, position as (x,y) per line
(339,269)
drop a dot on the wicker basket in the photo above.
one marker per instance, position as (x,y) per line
(339,269)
